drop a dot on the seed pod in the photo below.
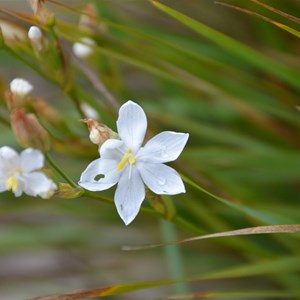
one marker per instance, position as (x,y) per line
(28,130)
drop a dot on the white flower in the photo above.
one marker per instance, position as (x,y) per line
(84,48)
(89,111)
(20,87)
(130,165)
(19,173)
(36,37)
(35,33)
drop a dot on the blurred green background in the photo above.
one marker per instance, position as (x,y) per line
(238,98)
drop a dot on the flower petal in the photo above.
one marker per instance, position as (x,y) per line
(2,186)
(100,166)
(130,194)
(164,147)
(112,149)
(132,125)
(161,179)
(34,183)
(9,161)
(31,160)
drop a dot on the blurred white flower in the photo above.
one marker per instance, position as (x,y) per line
(35,33)
(126,162)
(20,87)
(19,173)
(36,37)
(84,48)
(89,111)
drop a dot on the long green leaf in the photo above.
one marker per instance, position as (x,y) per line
(232,46)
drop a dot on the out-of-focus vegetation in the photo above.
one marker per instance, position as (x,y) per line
(230,78)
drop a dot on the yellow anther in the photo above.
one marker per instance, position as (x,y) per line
(127,158)
(11,184)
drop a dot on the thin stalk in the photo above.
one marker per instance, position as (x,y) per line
(97,83)
(173,256)
(59,170)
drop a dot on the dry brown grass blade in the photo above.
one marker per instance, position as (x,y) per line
(277,11)
(21,16)
(249,12)
(76,295)
(269,229)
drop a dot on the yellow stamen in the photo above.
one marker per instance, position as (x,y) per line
(11,184)
(127,158)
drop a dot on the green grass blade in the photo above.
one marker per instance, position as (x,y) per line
(234,47)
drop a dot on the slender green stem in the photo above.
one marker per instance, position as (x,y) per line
(97,196)
(59,170)
(173,256)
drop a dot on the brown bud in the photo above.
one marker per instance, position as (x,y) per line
(42,13)
(10,33)
(46,112)
(28,131)
(99,133)
(161,204)
(88,19)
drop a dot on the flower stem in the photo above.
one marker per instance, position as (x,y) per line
(173,256)
(59,170)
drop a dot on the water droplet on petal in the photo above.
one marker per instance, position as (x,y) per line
(161,181)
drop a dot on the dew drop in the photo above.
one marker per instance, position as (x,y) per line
(161,181)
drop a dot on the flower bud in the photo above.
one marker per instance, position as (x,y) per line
(84,48)
(66,191)
(20,87)
(41,12)
(99,133)
(89,111)
(161,204)
(46,112)
(28,131)
(36,38)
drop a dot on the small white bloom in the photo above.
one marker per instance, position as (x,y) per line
(36,37)
(89,111)
(84,48)
(34,33)
(126,162)
(19,173)
(20,87)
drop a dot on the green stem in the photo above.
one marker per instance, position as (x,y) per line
(173,256)
(59,170)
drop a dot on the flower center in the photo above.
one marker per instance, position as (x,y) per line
(127,158)
(12,183)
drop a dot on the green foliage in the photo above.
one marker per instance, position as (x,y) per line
(230,80)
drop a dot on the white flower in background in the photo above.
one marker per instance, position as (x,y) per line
(35,33)
(84,48)
(126,162)
(36,37)
(20,87)
(20,173)
(89,111)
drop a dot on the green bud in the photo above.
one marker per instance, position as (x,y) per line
(66,191)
